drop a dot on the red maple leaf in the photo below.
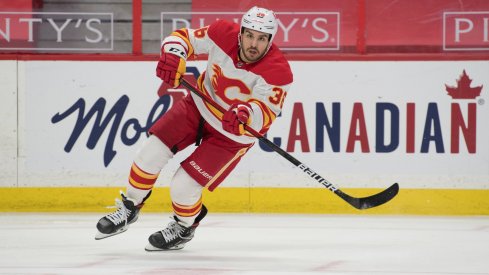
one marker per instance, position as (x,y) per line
(463,89)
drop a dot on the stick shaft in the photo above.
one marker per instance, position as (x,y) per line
(359,203)
(262,138)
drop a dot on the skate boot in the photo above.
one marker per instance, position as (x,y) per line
(175,236)
(118,221)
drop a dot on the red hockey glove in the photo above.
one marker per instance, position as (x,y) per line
(170,68)
(234,118)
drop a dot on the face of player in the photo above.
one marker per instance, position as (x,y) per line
(253,45)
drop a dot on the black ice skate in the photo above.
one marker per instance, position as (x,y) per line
(175,236)
(119,221)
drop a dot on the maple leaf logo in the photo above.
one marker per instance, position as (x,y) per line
(463,89)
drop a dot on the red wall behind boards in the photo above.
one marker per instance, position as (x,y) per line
(16,30)
(380,26)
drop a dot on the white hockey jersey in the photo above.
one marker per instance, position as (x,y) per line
(227,80)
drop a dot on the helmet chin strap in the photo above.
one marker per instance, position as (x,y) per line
(239,47)
(239,39)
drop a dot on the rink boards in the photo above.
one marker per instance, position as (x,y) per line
(71,128)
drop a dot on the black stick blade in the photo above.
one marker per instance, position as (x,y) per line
(371,201)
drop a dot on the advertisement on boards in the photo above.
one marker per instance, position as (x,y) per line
(358,124)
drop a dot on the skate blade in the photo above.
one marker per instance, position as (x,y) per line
(100,235)
(151,248)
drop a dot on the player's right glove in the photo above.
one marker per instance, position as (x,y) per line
(170,68)
(235,117)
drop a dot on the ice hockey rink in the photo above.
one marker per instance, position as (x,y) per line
(373,93)
(250,244)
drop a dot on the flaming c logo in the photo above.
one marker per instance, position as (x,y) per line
(230,90)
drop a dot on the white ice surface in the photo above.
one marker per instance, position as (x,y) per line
(249,244)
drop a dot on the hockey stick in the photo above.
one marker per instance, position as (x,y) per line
(359,203)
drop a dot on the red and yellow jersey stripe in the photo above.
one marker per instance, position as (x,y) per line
(140,179)
(187,210)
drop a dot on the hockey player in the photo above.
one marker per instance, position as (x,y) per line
(249,77)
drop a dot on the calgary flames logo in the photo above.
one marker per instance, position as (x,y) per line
(230,90)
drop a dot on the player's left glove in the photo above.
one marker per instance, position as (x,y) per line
(235,117)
